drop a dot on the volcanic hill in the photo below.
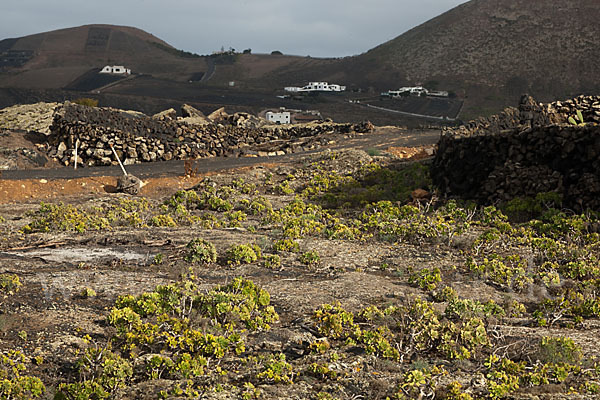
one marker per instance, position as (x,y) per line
(487,52)
(54,59)
(501,48)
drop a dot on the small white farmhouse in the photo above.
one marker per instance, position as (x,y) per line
(115,69)
(279,117)
(414,90)
(316,87)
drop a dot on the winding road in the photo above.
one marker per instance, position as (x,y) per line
(212,68)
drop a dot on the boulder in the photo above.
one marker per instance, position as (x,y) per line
(129,184)
(420,195)
(245,120)
(195,121)
(188,111)
(166,114)
(36,117)
(218,115)
(60,151)
(193,116)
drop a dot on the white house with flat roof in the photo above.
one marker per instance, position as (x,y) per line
(116,70)
(414,91)
(283,117)
(316,87)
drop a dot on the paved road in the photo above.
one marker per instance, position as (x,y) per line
(145,170)
(113,84)
(380,141)
(211,70)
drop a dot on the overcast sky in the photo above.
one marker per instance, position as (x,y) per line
(319,28)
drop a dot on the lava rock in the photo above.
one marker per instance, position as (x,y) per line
(129,184)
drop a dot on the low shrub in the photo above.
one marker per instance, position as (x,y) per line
(275,369)
(243,254)
(86,101)
(9,284)
(426,279)
(405,331)
(286,245)
(15,385)
(310,258)
(272,261)
(65,217)
(201,251)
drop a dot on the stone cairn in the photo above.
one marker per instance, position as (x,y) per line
(522,152)
(139,138)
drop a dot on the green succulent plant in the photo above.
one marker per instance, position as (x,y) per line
(577,119)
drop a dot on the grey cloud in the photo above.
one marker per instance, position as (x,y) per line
(319,28)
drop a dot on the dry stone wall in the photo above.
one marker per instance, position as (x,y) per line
(522,152)
(139,139)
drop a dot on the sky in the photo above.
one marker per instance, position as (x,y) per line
(317,28)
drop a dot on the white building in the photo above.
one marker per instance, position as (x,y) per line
(279,117)
(438,93)
(414,91)
(115,69)
(406,91)
(316,87)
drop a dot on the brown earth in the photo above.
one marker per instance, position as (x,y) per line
(12,191)
(49,316)
(25,150)
(56,267)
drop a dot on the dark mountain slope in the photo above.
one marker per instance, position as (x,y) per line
(489,52)
(545,46)
(63,55)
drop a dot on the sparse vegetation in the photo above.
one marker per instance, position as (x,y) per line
(88,292)
(175,52)
(468,275)
(373,152)
(16,385)
(86,101)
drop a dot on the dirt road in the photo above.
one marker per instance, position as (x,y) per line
(381,140)
(164,178)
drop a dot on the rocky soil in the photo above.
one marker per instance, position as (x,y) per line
(379,288)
